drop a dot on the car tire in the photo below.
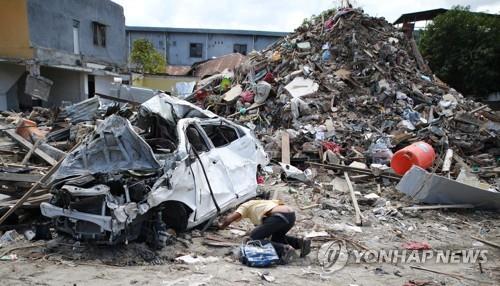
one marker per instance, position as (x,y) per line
(175,215)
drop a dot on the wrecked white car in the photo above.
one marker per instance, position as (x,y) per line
(175,168)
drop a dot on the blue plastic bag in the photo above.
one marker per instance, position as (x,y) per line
(257,253)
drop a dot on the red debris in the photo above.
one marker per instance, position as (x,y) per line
(415,245)
(334,147)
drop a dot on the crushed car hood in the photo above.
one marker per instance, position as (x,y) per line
(115,146)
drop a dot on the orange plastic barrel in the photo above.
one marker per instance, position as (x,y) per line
(419,153)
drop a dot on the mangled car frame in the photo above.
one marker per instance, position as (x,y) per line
(175,167)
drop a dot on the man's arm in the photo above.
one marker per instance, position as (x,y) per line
(227,220)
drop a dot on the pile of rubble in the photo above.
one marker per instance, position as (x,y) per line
(343,92)
(348,87)
(31,144)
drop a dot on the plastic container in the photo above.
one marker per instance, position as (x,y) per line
(419,153)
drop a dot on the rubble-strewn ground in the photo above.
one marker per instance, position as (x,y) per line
(78,264)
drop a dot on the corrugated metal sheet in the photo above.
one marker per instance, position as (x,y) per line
(218,65)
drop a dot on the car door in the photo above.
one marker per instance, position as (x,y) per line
(210,174)
(237,151)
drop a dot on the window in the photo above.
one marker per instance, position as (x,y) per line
(220,135)
(76,37)
(99,31)
(196,50)
(240,48)
(196,139)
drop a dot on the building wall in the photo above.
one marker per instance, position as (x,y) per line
(175,45)
(68,86)
(9,76)
(178,49)
(103,84)
(51,26)
(14,32)
(160,82)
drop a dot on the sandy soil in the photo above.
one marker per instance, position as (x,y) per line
(135,264)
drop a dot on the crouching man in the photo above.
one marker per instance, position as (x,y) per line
(272,219)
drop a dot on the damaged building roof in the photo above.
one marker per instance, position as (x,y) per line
(217,65)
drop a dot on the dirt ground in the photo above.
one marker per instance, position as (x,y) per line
(62,262)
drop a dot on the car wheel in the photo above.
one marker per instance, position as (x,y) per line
(175,215)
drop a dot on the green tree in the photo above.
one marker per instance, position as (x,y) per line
(145,57)
(463,49)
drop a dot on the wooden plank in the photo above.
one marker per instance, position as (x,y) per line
(435,207)
(486,241)
(26,144)
(418,57)
(456,276)
(220,243)
(31,202)
(447,160)
(354,169)
(28,155)
(477,109)
(15,177)
(357,217)
(285,148)
(310,207)
(35,187)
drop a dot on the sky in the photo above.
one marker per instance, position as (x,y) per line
(269,15)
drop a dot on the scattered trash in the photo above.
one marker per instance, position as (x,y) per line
(267,276)
(10,257)
(314,234)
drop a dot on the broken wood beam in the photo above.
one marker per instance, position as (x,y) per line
(285,148)
(456,276)
(15,177)
(357,216)
(309,207)
(422,65)
(30,152)
(447,160)
(354,169)
(477,109)
(26,144)
(436,207)
(35,187)
(490,243)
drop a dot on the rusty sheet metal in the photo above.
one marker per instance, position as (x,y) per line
(215,66)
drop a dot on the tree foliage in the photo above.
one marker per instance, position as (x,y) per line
(145,57)
(463,49)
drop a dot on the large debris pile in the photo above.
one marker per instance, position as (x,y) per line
(354,85)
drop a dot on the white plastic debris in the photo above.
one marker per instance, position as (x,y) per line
(313,234)
(189,259)
(345,227)
(300,86)
(304,45)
